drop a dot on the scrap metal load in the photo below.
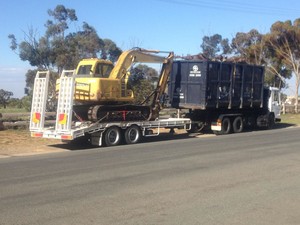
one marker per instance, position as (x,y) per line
(216,85)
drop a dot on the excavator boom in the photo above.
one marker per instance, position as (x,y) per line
(128,58)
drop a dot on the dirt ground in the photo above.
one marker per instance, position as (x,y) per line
(19,142)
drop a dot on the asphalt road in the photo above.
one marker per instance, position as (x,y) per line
(249,178)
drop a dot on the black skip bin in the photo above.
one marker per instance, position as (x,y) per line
(213,84)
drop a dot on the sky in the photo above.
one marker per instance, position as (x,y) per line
(167,25)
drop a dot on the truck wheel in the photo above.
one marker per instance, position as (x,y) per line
(226,126)
(112,136)
(133,134)
(238,125)
(271,121)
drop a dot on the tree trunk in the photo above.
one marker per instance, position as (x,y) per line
(297,94)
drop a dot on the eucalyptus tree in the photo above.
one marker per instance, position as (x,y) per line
(283,43)
(60,47)
(252,48)
(142,81)
(248,46)
(5,97)
(215,45)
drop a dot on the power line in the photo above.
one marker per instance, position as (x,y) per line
(235,6)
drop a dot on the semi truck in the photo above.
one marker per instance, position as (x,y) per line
(225,96)
(97,106)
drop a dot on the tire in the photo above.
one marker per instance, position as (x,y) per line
(112,136)
(238,125)
(226,126)
(196,128)
(271,121)
(133,134)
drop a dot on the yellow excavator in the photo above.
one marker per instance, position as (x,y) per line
(102,93)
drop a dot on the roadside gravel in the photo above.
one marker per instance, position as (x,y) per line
(19,142)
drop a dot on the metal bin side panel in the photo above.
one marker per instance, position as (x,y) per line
(187,87)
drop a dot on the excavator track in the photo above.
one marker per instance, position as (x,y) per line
(114,113)
(118,113)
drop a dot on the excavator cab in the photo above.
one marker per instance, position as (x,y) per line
(94,68)
(94,85)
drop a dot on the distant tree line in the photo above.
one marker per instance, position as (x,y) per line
(278,50)
(58,49)
(5,97)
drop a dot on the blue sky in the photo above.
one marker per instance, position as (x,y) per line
(171,25)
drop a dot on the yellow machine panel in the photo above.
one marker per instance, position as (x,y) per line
(100,90)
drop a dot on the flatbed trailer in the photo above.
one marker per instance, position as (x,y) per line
(99,133)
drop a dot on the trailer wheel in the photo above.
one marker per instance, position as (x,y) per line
(238,125)
(133,134)
(196,128)
(112,136)
(226,126)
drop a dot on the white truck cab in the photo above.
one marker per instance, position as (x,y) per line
(274,104)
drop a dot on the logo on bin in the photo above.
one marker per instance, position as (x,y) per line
(195,72)
(195,68)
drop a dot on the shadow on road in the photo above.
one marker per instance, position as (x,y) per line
(283,125)
(83,143)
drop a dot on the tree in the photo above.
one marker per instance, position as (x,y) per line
(142,90)
(141,81)
(110,50)
(15,103)
(214,45)
(4,97)
(248,46)
(251,47)
(26,103)
(284,43)
(59,49)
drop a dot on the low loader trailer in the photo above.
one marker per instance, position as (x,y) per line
(69,128)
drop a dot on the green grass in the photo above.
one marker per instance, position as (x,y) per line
(12,110)
(291,118)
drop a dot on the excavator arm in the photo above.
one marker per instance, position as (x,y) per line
(161,86)
(128,58)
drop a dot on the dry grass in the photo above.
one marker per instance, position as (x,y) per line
(14,142)
(291,119)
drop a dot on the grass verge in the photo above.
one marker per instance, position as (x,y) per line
(291,118)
